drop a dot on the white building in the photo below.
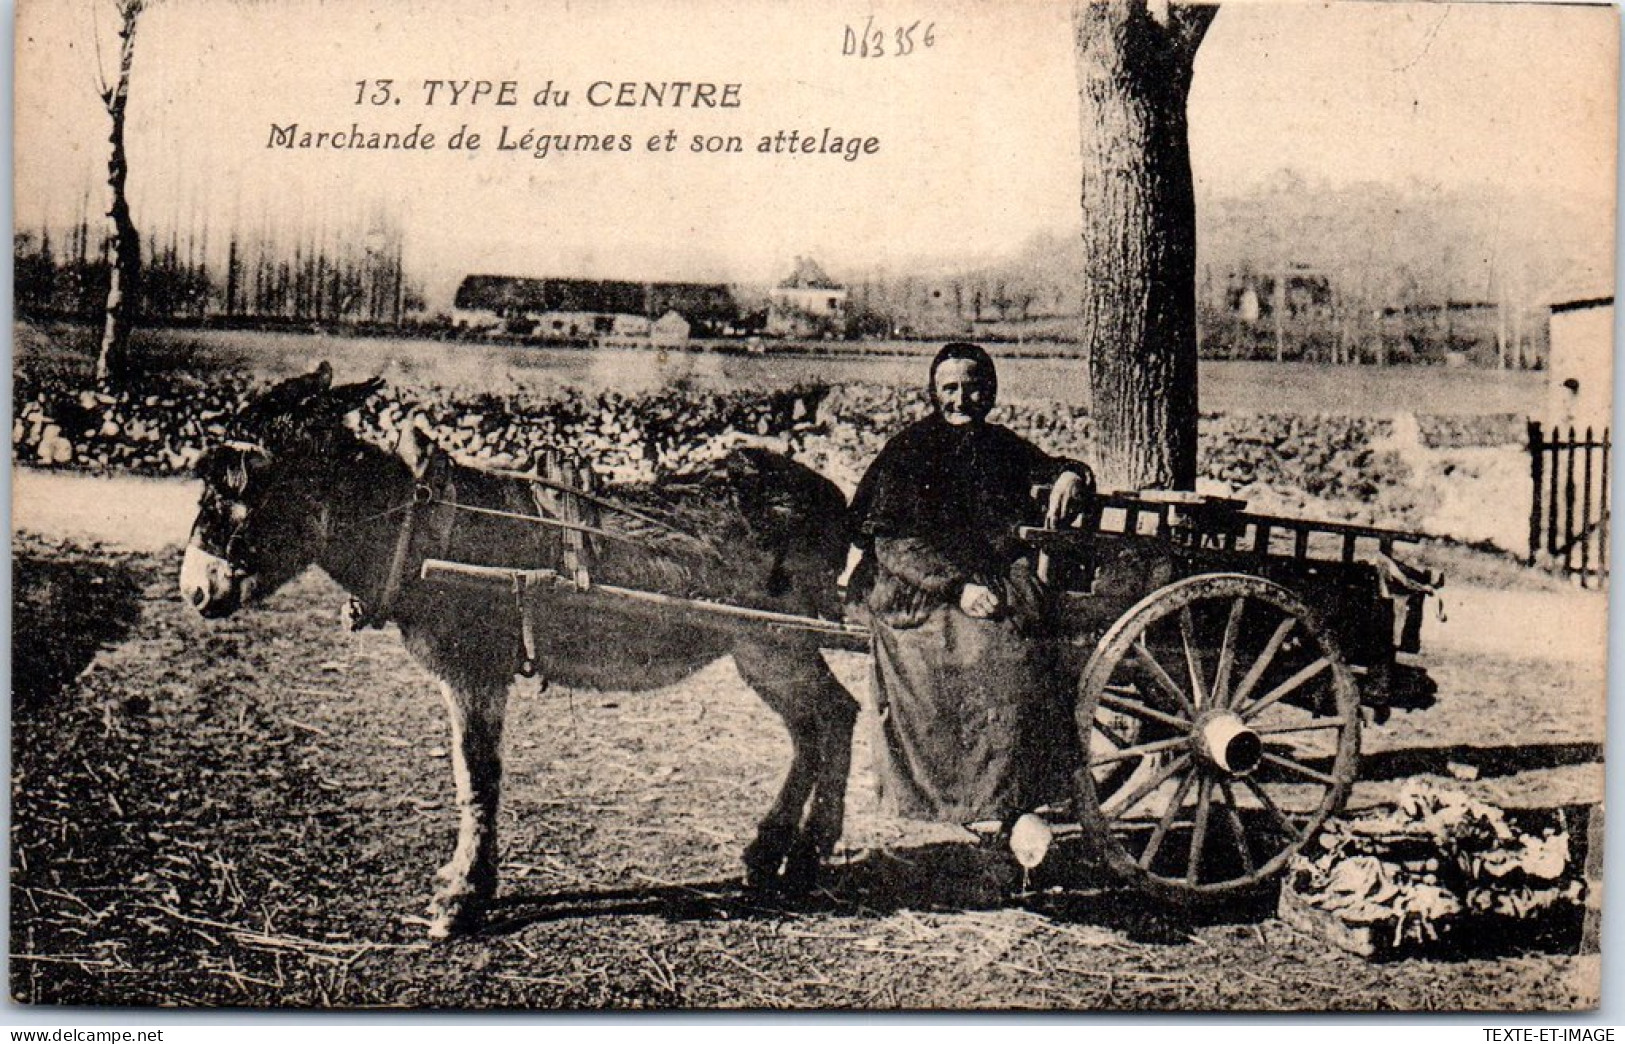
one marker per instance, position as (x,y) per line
(670,330)
(1579,385)
(807,304)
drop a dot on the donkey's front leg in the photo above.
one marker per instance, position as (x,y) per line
(470,879)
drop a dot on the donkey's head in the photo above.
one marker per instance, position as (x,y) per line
(267,492)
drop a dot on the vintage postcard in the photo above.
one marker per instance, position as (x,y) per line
(746,505)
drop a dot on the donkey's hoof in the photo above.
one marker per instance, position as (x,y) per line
(759,878)
(801,870)
(764,858)
(456,911)
(450,919)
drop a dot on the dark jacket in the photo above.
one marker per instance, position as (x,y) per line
(939,508)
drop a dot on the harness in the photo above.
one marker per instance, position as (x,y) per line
(434,487)
(564,499)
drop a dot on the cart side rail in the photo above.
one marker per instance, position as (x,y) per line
(1220,524)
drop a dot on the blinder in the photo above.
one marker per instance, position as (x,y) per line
(228,471)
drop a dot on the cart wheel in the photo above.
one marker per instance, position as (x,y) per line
(1221,727)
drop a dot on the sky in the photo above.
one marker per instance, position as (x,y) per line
(976,133)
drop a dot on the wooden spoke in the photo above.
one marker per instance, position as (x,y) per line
(1144,713)
(1264,660)
(1227,654)
(1274,810)
(1155,844)
(1193,659)
(1286,688)
(1165,819)
(1282,730)
(1117,739)
(1204,803)
(1162,678)
(1140,751)
(1237,828)
(1303,770)
(1158,779)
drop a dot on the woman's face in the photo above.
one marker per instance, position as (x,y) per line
(964,391)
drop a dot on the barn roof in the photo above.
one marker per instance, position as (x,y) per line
(809,276)
(709,302)
(1581,303)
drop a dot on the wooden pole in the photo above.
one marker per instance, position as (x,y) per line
(1536,453)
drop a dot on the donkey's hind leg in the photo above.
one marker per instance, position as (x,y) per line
(470,879)
(805,820)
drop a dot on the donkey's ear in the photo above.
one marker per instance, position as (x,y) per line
(287,399)
(346,397)
(209,464)
(415,446)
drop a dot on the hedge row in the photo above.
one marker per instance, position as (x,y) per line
(160,427)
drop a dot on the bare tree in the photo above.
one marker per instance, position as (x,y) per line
(1134,63)
(123,288)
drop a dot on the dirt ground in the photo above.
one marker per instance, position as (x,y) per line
(248,813)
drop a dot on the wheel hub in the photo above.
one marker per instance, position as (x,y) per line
(1224,742)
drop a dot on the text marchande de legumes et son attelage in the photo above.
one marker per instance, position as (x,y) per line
(484,117)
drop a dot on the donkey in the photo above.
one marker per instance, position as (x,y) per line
(297,487)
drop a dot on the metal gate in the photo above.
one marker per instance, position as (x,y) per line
(1568,515)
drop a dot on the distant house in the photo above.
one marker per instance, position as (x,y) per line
(581,309)
(807,304)
(1579,383)
(1299,292)
(669,331)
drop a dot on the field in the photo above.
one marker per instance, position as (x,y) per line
(247,813)
(1029,374)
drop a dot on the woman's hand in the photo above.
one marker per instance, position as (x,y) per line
(1066,498)
(978,601)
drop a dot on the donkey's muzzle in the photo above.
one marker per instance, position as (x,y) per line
(210,585)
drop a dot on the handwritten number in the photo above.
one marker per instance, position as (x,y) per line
(870,42)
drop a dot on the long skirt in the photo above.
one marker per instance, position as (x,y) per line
(974,719)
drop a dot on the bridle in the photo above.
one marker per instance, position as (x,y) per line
(233,548)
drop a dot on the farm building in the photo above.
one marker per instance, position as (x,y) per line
(1581,353)
(670,330)
(1299,292)
(572,309)
(807,304)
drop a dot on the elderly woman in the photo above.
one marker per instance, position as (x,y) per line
(974,726)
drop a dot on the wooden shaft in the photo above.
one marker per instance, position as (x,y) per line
(438,571)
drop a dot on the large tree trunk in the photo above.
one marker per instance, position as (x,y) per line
(1134,65)
(123,288)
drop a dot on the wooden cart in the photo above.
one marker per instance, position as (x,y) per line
(1223,660)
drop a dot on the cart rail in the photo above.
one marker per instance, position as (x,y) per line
(1221,524)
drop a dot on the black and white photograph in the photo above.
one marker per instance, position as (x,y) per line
(1065,505)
